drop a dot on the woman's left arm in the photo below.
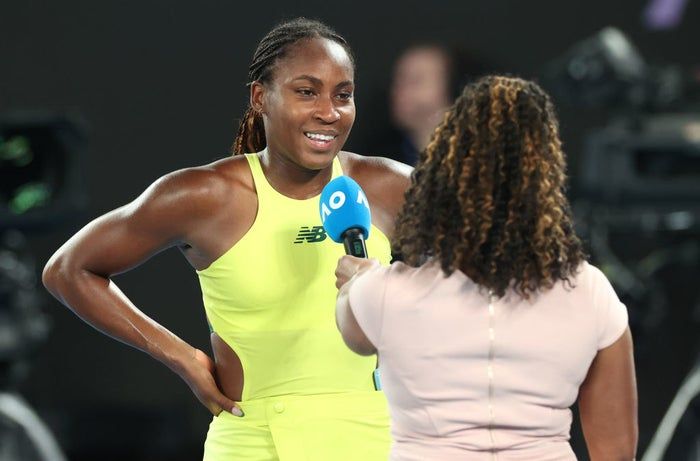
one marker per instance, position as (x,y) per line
(608,403)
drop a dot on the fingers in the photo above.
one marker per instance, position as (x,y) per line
(230,406)
(348,266)
(344,271)
(371,262)
(224,404)
(236,410)
(204,386)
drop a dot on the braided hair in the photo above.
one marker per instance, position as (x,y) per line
(487,196)
(272,48)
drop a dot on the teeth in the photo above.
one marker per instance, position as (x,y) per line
(319,137)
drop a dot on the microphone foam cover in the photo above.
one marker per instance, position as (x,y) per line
(343,205)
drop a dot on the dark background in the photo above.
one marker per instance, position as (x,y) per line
(160,85)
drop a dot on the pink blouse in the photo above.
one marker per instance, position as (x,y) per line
(470,377)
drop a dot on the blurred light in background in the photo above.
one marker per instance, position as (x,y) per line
(664,14)
(40,179)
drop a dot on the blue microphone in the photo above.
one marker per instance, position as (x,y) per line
(345,214)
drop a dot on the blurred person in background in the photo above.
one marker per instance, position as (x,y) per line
(495,323)
(282,384)
(426,78)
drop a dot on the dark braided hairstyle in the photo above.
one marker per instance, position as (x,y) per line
(272,48)
(487,196)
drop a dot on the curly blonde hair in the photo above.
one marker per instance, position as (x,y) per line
(488,194)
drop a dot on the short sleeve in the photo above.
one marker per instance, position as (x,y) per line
(366,297)
(612,314)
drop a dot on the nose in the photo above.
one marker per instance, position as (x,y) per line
(326,110)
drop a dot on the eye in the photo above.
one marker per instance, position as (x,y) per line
(344,96)
(306,92)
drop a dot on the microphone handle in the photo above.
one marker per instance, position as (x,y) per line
(354,243)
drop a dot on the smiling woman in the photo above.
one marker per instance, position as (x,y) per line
(282,385)
(308,109)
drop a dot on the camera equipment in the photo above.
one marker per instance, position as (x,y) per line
(638,206)
(40,187)
(40,179)
(606,70)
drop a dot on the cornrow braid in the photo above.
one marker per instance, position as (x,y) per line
(251,133)
(487,196)
(271,49)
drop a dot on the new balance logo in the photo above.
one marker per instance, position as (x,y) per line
(311,235)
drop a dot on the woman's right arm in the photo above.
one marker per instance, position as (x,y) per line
(608,403)
(167,214)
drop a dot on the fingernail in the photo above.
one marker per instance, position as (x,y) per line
(237,411)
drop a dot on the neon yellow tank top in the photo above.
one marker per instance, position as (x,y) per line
(271,297)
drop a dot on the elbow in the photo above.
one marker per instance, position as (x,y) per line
(627,448)
(360,347)
(52,273)
(624,450)
(621,456)
(627,455)
(57,273)
(629,451)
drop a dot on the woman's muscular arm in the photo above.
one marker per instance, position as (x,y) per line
(169,213)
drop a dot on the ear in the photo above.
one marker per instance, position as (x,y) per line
(257,92)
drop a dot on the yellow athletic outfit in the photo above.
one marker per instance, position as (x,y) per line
(271,297)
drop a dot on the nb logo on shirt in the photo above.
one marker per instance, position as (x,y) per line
(313,234)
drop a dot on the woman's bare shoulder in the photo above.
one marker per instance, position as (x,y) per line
(211,184)
(374,166)
(384,181)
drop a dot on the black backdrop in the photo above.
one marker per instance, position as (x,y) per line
(161,85)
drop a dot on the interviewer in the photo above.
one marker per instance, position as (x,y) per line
(495,323)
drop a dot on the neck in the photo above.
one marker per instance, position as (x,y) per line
(291,179)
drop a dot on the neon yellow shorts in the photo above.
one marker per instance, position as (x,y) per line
(328,427)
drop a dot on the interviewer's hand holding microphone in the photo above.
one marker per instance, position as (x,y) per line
(349,266)
(346,217)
